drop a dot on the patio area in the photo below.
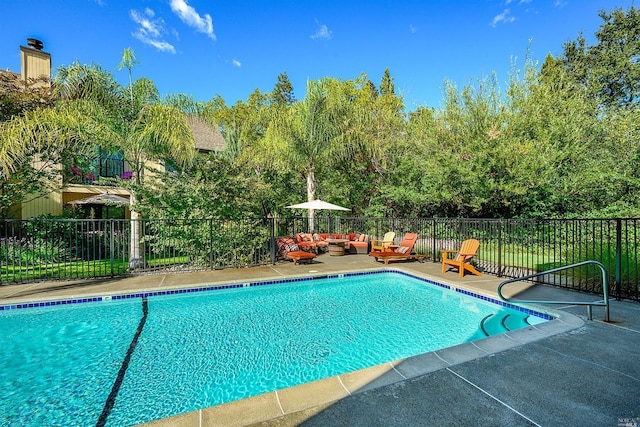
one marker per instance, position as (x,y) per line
(579,372)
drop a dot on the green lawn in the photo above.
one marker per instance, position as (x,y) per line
(77,269)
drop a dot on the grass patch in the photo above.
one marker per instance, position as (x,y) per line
(78,269)
(66,270)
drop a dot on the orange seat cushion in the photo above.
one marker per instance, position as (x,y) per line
(301,254)
(298,255)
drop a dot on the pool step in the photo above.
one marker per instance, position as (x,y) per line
(494,325)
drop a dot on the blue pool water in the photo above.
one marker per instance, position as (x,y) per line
(122,362)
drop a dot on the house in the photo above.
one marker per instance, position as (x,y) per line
(81,181)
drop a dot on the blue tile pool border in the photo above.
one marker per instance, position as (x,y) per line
(117,297)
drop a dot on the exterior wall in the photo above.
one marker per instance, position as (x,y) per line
(50,203)
(34,64)
(152,167)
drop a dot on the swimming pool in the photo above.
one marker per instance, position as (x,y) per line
(133,358)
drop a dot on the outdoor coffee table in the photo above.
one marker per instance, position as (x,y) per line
(336,246)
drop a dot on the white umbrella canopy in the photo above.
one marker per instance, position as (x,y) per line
(317,205)
(101,199)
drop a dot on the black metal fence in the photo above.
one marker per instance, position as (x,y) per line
(42,249)
(67,249)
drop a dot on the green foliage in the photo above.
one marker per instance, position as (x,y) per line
(49,240)
(282,94)
(18,96)
(605,253)
(559,140)
(204,212)
(211,188)
(609,70)
(306,134)
(386,84)
(204,243)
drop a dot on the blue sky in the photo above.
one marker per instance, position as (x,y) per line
(208,47)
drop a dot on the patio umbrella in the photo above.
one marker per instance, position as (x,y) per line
(101,199)
(104,199)
(316,205)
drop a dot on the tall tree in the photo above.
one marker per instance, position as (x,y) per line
(128,61)
(143,129)
(386,84)
(283,91)
(615,58)
(609,69)
(306,134)
(376,125)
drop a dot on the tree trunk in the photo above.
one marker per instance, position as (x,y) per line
(136,254)
(311,196)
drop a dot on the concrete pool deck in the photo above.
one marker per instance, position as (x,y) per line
(570,371)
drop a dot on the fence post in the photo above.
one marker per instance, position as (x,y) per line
(377,228)
(272,246)
(433,240)
(499,248)
(210,244)
(618,256)
(111,245)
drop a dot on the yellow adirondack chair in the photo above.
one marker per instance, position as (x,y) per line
(468,250)
(381,245)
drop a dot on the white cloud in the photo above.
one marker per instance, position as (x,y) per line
(412,29)
(560,3)
(150,30)
(505,18)
(189,16)
(158,44)
(237,63)
(322,33)
(147,26)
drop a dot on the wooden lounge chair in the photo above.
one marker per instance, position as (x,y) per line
(404,251)
(289,249)
(381,245)
(468,250)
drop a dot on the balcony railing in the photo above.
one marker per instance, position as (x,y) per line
(107,168)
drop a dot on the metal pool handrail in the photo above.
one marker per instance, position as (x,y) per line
(605,288)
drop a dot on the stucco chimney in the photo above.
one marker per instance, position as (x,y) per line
(35,62)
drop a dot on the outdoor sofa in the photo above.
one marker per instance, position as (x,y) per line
(357,243)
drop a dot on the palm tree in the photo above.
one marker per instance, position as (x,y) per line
(306,134)
(142,128)
(128,61)
(33,143)
(158,131)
